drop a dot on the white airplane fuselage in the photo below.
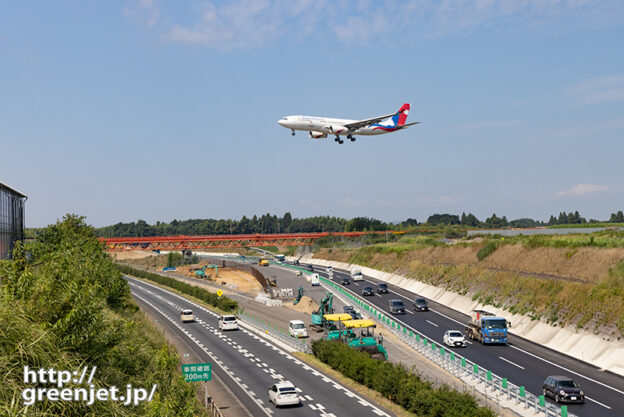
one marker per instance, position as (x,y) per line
(328,126)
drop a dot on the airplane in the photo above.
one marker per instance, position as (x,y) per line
(320,127)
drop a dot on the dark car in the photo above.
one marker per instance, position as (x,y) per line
(382,288)
(296,262)
(420,304)
(396,307)
(355,315)
(310,268)
(345,281)
(368,290)
(562,388)
(348,309)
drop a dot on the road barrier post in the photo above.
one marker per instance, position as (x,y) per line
(564,411)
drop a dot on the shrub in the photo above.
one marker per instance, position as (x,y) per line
(488,249)
(223,303)
(397,383)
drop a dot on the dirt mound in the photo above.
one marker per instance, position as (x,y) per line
(131,254)
(305,305)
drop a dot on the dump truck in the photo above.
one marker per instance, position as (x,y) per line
(487,328)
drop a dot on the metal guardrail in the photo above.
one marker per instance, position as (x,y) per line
(456,364)
(265,327)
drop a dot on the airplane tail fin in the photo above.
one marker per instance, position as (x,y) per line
(402,114)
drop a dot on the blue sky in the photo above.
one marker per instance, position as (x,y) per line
(155,110)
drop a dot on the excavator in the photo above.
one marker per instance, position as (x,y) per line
(201,272)
(325,307)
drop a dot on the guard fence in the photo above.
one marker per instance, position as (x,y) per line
(275,332)
(456,364)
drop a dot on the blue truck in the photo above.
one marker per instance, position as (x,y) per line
(487,328)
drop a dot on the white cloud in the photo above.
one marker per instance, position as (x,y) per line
(444,199)
(605,89)
(144,11)
(583,189)
(252,23)
(351,202)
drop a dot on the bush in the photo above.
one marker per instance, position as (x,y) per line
(64,305)
(223,303)
(488,249)
(397,383)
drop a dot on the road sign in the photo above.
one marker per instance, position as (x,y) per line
(219,293)
(197,372)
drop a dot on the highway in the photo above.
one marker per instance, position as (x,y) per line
(249,364)
(522,362)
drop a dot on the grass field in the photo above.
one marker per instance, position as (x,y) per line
(564,280)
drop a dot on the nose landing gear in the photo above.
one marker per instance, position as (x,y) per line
(293,132)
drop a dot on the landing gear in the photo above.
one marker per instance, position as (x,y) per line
(293,132)
(351,137)
(337,139)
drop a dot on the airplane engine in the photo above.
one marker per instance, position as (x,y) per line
(334,129)
(317,135)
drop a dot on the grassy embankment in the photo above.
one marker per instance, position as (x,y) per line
(586,288)
(64,305)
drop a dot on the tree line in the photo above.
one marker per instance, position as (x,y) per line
(268,223)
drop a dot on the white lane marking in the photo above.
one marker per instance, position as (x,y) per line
(431,323)
(530,354)
(597,402)
(410,312)
(297,361)
(508,361)
(568,370)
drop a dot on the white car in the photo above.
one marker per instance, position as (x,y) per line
(454,338)
(284,393)
(228,323)
(297,328)
(298,273)
(186,316)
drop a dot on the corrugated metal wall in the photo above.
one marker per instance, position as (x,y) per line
(11,220)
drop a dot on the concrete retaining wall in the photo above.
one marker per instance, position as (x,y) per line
(570,341)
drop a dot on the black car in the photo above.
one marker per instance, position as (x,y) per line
(345,281)
(396,307)
(348,309)
(562,388)
(382,288)
(355,315)
(368,290)
(310,268)
(420,304)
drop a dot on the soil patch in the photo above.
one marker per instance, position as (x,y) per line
(305,305)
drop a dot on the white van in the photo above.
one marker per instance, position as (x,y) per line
(356,275)
(297,328)
(315,281)
(186,316)
(228,323)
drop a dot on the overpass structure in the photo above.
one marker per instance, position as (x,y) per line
(175,243)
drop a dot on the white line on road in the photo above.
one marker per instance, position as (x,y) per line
(508,361)
(568,370)
(432,323)
(597,402)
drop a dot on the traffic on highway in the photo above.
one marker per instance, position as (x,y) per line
(521,361)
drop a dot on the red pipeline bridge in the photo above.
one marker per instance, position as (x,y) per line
(180,243)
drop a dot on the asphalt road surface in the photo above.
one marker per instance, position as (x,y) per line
(521,361)
(250,364)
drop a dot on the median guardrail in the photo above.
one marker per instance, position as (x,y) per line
(456,364)
(282,336)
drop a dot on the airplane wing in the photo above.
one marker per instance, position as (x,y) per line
(362,123)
